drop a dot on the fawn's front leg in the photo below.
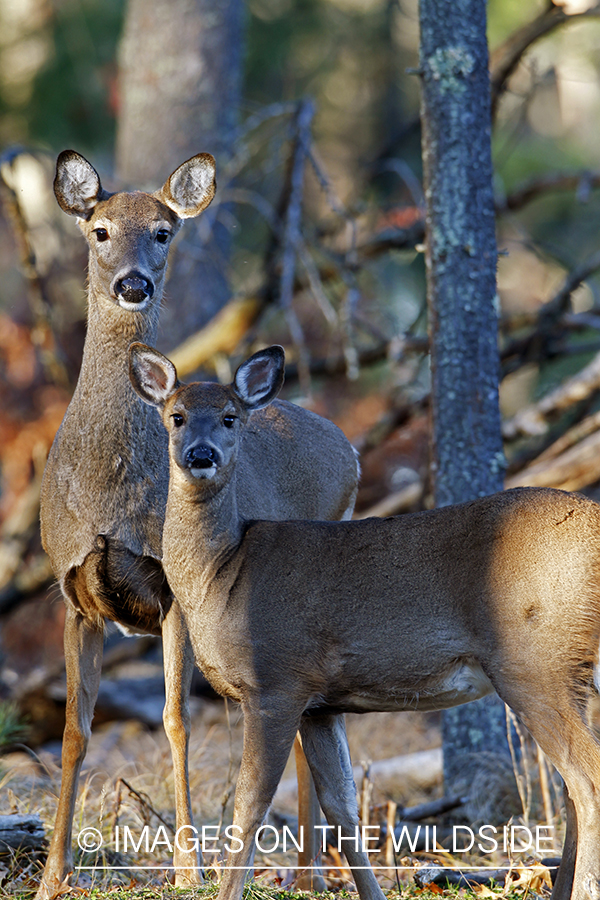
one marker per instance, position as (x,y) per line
(269,731)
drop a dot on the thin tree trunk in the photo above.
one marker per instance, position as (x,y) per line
(468,459)
(180,85)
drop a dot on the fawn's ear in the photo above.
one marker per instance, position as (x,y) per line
(258,380)
(77,185)
(153,376)
(191,187)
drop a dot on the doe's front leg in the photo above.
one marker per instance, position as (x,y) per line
(310,873)
(179,667)
(83,641)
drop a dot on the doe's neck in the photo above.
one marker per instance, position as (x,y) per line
(110,331)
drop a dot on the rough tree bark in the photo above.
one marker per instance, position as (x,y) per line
(461,254)
(180,84)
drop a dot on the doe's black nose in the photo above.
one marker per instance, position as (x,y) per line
(200,457)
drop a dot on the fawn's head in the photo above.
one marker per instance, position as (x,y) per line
(129,233)
(205,420)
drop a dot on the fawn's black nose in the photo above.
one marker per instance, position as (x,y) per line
(134,288)
(200,457)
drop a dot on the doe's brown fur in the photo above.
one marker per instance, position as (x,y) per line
(105,485)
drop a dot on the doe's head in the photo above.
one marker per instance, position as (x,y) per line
(129,233)
(205,420)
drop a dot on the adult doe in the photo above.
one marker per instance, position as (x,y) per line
(302,621)
(105,484)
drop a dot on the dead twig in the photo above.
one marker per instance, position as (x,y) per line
(522,773)
(545,785)
(142,799)
(560,303)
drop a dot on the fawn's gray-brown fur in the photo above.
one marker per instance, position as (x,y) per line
(303,621)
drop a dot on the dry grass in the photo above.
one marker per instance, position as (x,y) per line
(126,754)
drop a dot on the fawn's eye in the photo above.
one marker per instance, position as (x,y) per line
(101,234)
(228,421)
(178,420)
(163,236)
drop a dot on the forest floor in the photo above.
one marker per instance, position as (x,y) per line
(127,783)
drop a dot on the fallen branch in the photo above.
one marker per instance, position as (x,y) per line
(390,776)
(572,470)
(532,878)
(21,833)
(221,336)
(433,808)
(398,502)
(532,420)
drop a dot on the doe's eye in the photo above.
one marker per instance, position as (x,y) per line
(228,421)
(101,234)
(163,236)
(178,420)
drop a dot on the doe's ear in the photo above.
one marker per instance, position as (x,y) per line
(258,380)
(153,376)
(191,187)
(77,185)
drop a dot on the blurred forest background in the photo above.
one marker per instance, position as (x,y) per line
(311,108)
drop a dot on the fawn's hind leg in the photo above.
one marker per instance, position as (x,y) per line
(558,722)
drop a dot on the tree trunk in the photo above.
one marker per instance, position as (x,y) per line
(461,254)
(180,85)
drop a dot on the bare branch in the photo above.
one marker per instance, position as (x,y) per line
(552,312)
(582,182)
(398,502)
(507,56)
(560,301)
(291,234)
(39,302)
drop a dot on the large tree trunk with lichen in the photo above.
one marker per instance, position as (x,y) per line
(180,84)
(461,256)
